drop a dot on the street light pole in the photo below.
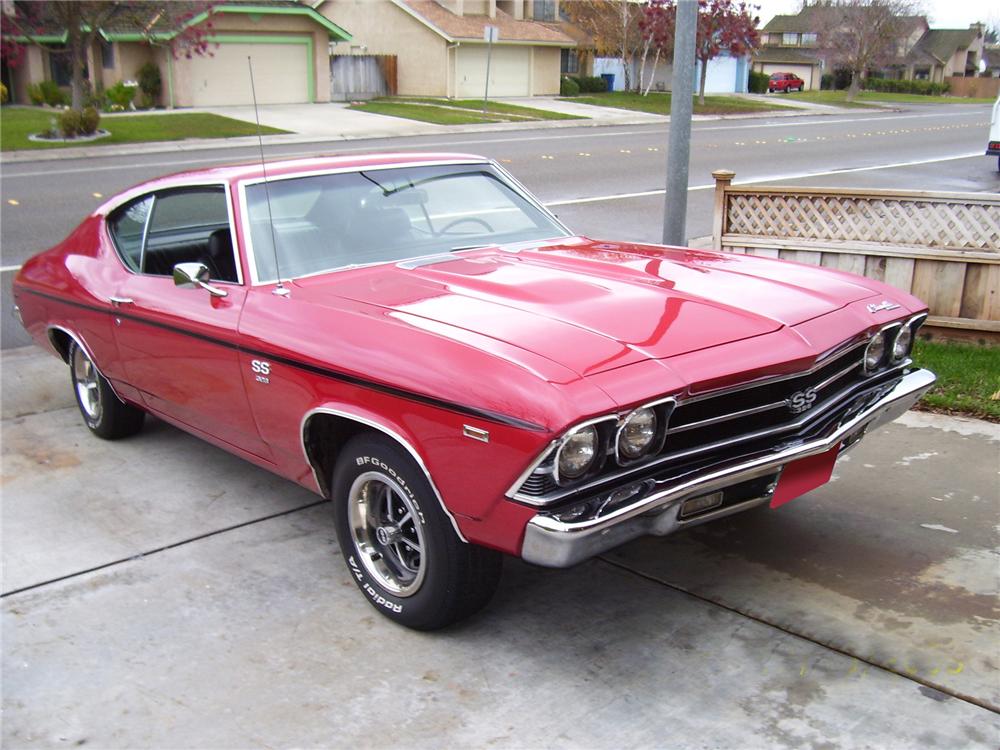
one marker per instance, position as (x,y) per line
(681,105)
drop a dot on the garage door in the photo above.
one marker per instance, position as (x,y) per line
(510,72)
(802,71)
(281,75)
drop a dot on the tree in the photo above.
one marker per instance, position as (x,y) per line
(657,27)
(83,20)
(722,25)
(614,27)
(863,34)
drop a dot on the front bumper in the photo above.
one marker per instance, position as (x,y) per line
(558,543)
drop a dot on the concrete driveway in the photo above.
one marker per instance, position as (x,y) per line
(161,593)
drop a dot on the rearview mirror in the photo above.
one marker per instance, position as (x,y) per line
(195,275)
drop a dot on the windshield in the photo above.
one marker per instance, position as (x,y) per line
(325,222)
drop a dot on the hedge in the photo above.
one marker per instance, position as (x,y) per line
(893,86)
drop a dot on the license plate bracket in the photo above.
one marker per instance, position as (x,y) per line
(804,475)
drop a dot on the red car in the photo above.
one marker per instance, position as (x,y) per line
(417,338)
(784,82)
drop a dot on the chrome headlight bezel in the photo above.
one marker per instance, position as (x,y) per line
(911,327)
(559,473)
(879,339)
(621,434)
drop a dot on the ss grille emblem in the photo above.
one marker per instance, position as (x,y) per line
(801,401)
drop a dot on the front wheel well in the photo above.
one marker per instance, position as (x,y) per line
(323,437)
(61,342)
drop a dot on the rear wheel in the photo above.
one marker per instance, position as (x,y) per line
(104,414)
(399,545)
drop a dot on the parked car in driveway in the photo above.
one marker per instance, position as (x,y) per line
(784,82)
(417,338)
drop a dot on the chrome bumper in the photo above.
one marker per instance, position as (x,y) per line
(556,543)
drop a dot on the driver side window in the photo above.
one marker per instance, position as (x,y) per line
(156,232)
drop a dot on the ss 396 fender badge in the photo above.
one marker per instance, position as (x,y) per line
(883,305)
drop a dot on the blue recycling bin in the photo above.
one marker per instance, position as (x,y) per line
(609,80)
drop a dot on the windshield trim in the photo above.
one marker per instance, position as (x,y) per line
(503,174)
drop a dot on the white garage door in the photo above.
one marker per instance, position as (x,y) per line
(510,72)
(802,71)
(280,74)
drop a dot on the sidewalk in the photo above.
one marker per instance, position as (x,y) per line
(336,121)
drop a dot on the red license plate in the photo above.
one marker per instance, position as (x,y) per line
(799,477)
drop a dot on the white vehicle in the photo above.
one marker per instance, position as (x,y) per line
(993,145)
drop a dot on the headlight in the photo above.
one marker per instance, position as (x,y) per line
(903,342)
(637,434)
(875,352)
(577,453)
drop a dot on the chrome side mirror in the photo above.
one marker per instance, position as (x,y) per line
(196,275)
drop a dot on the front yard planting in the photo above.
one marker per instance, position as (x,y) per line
(968,378)
(872,98)
(456,111)
(658,103)
(17,123)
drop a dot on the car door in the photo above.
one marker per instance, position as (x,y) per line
(179,346)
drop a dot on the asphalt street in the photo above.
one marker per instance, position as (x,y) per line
(603,182)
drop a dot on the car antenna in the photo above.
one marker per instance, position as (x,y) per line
(280,290)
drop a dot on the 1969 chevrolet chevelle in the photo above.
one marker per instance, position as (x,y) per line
(417,338)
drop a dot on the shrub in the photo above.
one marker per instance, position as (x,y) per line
(568,87)
(591,84)
(841,78)
(150,83)
(90,118)
(46,92)
(894,86)
(3,94)
(71,123)
(120,95)
(758,82)
(826,81)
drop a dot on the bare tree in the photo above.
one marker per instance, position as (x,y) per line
(863,34)
(614,27)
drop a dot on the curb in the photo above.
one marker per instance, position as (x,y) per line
(417,129)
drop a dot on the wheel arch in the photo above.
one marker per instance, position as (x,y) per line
(61,339)
(324,427)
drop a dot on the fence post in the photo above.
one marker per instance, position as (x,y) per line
(723,177)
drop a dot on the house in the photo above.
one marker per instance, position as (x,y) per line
(791,44)
(727,73)
(440,47)
(287,41)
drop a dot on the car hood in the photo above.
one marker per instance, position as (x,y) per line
(593,306)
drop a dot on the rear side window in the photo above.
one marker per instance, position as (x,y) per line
(190,225)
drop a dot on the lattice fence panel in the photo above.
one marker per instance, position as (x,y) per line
(967,226)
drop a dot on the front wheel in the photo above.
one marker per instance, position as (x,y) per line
(104,414)
(399,545)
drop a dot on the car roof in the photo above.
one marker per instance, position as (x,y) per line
(234,173)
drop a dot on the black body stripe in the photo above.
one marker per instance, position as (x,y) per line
(472,411)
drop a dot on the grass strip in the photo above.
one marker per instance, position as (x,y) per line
(17,123)
(658,103)
(968,378)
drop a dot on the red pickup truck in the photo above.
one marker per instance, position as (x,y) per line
(785,82)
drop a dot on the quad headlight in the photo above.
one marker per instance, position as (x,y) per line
(577,453)
(637,434)
(903,342)
(875,351)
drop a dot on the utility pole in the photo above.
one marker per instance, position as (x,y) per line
(681,105)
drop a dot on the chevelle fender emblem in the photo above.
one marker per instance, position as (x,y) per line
(801,401)
(883,305)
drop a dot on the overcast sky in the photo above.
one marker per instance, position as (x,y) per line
(942,14)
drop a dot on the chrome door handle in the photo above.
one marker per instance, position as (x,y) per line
(119,301)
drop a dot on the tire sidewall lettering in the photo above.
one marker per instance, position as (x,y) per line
(378,463)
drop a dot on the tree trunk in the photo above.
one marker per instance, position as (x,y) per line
(642,66)
(76,60)
(855,87)
(701,83)
(652,73)
(626,73)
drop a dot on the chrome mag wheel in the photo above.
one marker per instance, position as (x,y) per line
(88,387)
(387,533)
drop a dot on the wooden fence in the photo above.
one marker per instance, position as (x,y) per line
(942,247)
(983,88)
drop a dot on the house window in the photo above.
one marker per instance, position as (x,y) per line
(59,65)
(545,10)
(570,64)
(774,39)
(921,74)
(790,39)
(809,38)
(107,55)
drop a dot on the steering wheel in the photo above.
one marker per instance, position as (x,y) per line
(463,220)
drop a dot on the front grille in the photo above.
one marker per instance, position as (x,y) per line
(750,419)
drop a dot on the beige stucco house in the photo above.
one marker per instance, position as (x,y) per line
(288,42)
(440,48)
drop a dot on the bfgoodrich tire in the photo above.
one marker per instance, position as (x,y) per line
(103,413)
(399,545)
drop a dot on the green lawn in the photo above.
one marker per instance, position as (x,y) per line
(659,103)
(456,112)
(868,98)
(968,378)
(518,112)
(17,123)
